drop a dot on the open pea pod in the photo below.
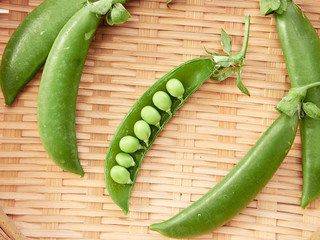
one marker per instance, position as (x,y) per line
(191,74)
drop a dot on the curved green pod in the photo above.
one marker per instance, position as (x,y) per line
(59,88)
(198,70)
(31,42)
(192,74)
(238,188)
(301,48)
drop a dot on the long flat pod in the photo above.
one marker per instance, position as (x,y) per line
(59,87)
(31,42)
(180,83)
(301,47)
(238,188)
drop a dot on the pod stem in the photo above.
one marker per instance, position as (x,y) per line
(309,86)
(226,64)
(100,7)
(158,125)
(113,9)
(273,6)
(243,51)
(240,56)
(141,147)
(292,102)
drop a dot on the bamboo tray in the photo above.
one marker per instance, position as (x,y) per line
(197,148)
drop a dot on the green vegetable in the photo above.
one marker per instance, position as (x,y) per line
(162,101)
(31,42)
(301,47)
(125,160)
(191,74)
(129,144)
(175,88)
(235,191)
(151,116)
(120,175)
(142,130)
(59,85)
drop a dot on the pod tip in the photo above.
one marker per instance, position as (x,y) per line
(304,203)
(153,227)
(80,172)
(125,211)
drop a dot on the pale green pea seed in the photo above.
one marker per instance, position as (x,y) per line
(129,144)
(125,160)
(151,116)
(175,88)
(142,131)
(162,101)
(120,175)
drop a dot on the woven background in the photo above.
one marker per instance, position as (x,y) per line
(196,149)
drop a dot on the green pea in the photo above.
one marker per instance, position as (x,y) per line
(151,116)
(129,144)
(125,160)
(120,175)
(162,101)
(142,130)
(175,88)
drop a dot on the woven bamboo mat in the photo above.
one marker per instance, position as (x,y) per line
(197,148)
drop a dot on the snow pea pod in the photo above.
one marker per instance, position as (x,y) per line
(192,74)
(31,42)
(301,48)
(59,85)
(238,188)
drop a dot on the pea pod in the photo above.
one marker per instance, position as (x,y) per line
(301,47)
(31,42)
(191,74)
(59,85)
(238,188)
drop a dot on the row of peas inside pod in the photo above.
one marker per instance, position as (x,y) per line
(142,130)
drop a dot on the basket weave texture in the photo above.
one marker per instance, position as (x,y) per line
(196,149)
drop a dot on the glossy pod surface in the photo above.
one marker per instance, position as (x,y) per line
(238,188)
(59,87)
(301,47)
(191,74)
(31,42)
